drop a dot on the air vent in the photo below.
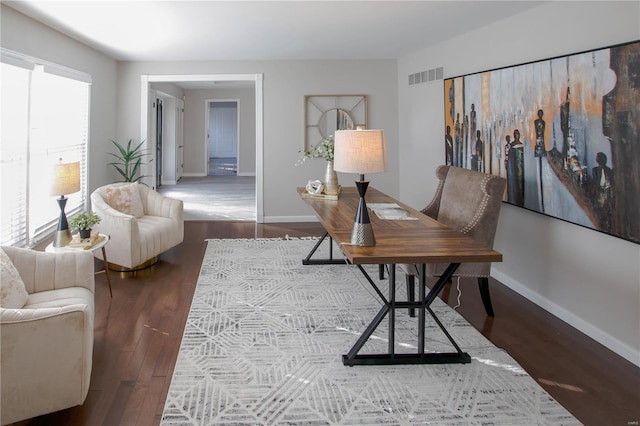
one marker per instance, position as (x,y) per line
(426,76)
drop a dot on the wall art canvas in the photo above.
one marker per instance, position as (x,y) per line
(563,131)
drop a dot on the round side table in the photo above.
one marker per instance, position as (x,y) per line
(51,249)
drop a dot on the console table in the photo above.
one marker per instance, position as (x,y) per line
(420,241)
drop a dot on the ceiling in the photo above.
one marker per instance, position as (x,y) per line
(264,30)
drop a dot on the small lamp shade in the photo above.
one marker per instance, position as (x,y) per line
(66,179)
(360,151)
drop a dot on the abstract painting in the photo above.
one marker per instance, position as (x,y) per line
(564,132)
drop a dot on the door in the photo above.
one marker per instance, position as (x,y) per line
(223,129)
(179,139)
(148,163)
(159,136)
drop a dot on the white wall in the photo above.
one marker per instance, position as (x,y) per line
(285,84)
(589,279)
(22,34)
(195,131)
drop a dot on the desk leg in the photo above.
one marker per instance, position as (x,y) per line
(423,307)
(458,357)
(392,309)
(106,269)
(331,261)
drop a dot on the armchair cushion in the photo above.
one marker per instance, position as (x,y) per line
(125,199)
(13,294)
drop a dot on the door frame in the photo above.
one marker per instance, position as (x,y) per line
(206,127)
(259,96)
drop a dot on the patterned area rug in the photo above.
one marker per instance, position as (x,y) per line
(265,336)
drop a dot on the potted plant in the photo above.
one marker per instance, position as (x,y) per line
(83,223)
(129,160)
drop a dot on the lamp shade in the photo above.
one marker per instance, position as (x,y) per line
(360,151)
(65,179)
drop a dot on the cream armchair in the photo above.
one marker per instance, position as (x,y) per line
(142,226)
(47,344)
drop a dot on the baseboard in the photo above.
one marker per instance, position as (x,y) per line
(169,182)
(246,174)
(570,318)
(284,219)
(193,175)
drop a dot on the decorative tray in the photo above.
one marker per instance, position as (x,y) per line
(322,195)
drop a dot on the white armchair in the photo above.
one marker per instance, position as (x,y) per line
(142,227)
(47,344)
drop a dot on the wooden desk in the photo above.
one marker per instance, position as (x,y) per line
(420,241)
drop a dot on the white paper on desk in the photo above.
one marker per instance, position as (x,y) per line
(390,211)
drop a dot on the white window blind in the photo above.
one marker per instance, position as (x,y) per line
(45,117)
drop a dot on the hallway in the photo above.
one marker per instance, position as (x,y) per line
(211,198)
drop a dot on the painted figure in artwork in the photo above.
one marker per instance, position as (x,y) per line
(458,139)
(472,126)
(448,141)
(464,159)
(515,170)
(507,146)
(540,126)
(477,158)
(603,190)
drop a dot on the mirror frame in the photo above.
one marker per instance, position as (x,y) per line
(315,106)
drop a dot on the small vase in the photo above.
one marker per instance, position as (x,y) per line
(331,185)
(85,233)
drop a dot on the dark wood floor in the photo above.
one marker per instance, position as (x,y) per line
(138,332)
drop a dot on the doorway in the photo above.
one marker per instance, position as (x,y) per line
(223,124)
(257,79)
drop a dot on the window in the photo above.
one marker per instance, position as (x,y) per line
(45,117)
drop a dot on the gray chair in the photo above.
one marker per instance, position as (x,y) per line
(469,202)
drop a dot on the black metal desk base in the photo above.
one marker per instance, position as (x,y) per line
(389,307)
(331,261)
(386,359)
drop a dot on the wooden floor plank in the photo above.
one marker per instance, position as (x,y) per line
(133,363)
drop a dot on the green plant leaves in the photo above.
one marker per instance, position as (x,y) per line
(129,160)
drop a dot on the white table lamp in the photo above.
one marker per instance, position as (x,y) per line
(66,180)
(361,151)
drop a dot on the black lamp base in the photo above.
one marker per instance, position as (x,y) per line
(63,235)
(362,231)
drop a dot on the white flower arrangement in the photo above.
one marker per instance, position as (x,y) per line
(324,149)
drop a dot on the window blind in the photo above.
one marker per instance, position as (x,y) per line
(45,117)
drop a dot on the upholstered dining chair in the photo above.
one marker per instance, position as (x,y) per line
(469,202)
(141,224)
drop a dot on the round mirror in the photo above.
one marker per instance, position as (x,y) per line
(332,120)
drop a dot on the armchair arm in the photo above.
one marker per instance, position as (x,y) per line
(121,227)
(50,271)
(159,205)
(14,316)
(46,359)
